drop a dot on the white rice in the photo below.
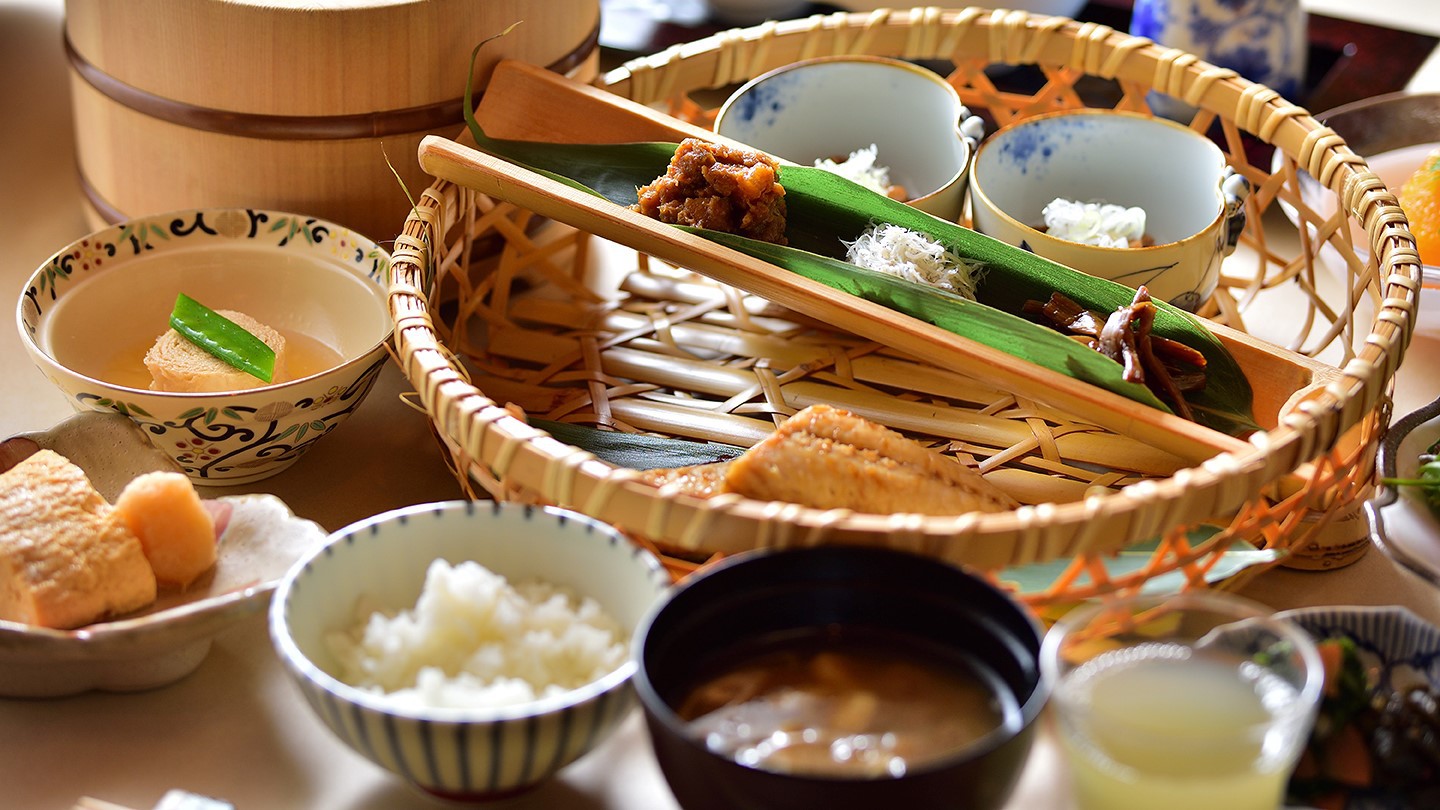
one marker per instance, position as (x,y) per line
(860,167)
(1095,223)
(476,640)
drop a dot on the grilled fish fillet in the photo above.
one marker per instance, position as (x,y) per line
(700,480)
(66,558)
(828,458)
(176,364)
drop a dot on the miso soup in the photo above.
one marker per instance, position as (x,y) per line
(846,705)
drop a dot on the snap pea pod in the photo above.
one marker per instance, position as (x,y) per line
(222,338)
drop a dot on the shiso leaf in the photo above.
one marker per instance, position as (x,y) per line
(222,338)
(824,209)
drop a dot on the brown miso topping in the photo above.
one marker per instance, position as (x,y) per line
(719,188)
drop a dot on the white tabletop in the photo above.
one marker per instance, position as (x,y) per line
(236,728)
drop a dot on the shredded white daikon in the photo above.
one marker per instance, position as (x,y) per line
(914,257)
(1095,223)
(860,167)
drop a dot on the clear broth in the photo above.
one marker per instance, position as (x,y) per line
(845,706)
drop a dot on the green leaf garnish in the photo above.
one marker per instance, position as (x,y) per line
(638,451)
(222,338)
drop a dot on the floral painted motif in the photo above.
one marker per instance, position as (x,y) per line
(215,443)
(235,437)
(140,236)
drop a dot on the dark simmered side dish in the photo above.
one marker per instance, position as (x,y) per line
(719,188)
(1374,744)
(1169,368)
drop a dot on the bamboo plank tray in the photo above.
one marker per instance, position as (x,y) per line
(483,293)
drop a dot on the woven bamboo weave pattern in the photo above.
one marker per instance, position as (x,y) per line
(501,317)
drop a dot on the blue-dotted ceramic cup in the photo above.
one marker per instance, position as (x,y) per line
(831,108)
(1193,201)
(1263,40)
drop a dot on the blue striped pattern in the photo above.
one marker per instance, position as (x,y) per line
(1401,642)
(443,756)
(458,754)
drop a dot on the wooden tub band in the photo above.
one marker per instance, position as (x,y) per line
(296,127)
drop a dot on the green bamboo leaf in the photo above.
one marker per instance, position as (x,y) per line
(1039,577)
(637,451)
(1011,334)
(222,338)
(820,202)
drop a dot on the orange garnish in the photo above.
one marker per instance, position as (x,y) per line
(1420,197)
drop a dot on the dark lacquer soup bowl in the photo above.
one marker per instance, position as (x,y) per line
(839,677)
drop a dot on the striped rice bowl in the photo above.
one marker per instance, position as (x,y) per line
(461,753)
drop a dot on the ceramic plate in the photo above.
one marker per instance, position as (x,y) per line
(1400,647)
(1397,648)
(169,639)
(1402,524)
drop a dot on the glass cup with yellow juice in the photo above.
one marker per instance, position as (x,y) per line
(1202,700)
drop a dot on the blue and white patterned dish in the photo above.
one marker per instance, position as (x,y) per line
(1398,651)
(89,313)
(1266,41)
(456,753)
(1398,646)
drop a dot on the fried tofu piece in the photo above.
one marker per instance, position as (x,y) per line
(828,458)
(176,531)
(177,365)
(66,558)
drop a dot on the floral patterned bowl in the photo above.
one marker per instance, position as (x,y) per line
(91,311)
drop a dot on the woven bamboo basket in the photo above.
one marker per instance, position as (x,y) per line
(562,325)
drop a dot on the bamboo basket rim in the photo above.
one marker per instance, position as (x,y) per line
(487,433)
